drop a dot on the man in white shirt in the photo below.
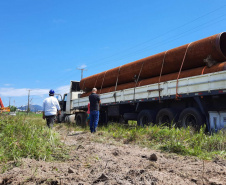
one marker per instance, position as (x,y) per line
(50,108)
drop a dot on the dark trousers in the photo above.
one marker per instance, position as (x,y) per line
(50,120)
(94,118)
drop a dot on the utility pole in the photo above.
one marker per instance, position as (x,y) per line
(9,101)
(82,69)
(28,101)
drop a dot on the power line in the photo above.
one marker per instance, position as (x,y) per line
(170,40)
(139,51)
(161,34)
(113,56)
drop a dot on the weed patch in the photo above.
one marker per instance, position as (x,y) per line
(21,137)
(181,141)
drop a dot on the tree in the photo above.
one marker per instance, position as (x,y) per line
(12,108)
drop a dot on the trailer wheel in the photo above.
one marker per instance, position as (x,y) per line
(166,117)
(81,119)
(145,117)
(191,117)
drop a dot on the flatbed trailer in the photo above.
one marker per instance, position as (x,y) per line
(192,101)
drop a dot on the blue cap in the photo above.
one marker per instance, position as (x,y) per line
(51,92)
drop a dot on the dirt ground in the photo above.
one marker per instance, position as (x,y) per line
(115,163)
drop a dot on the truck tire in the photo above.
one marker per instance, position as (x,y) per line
(191,117)
(166,117)
(145,117)
(81,119)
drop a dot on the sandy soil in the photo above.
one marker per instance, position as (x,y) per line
(115,163)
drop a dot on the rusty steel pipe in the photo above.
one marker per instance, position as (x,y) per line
(173,76)
(203,52)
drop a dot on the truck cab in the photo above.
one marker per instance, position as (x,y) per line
(67,112)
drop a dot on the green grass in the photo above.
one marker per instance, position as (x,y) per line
(30,114)
(27,136)
(174,140)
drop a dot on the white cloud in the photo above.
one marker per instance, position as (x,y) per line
(22,92)
(13,92)
(39,92)
(7,85)
(63,89)
(82,66)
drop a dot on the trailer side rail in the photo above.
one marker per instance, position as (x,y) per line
(201,85)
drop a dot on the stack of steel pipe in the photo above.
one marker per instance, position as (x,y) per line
(196,58)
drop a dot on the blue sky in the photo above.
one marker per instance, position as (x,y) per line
(42,42)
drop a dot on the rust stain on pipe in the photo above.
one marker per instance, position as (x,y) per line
(173,76)
(210,49)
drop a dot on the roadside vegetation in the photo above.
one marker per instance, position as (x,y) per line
(173,140)
(24,136)
(181,141)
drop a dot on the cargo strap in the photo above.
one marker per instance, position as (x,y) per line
(117,78)
(136,80)
(83,84)
(116,83)
(161,74)
(177,95)
(96,80)
(103,81)
(203,70)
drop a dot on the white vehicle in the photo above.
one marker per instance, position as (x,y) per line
(12,113)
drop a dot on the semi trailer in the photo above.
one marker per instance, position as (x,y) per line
(153,91)
(201,101)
